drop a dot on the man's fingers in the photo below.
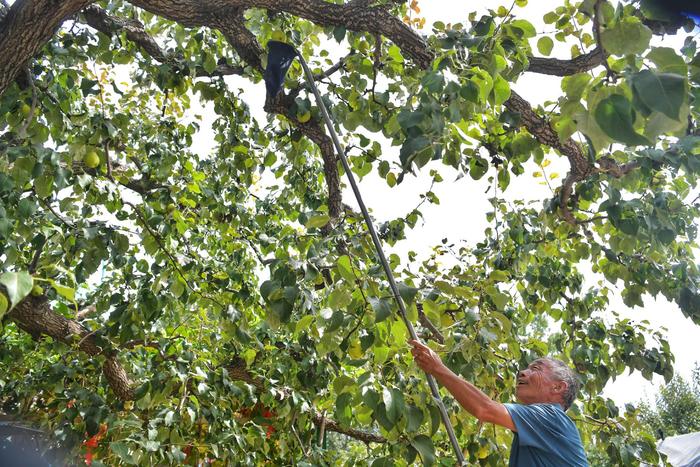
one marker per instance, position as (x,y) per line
(417,344)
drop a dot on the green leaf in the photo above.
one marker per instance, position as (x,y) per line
(339,33)
(545,44)
(500,300)
(425,448)
(43,185)
(627,36)
(574,85)
(64,291)
(395,53)
(410,149)
(122,451)
(395,404)
(501,90)
(3,305)
(209,63)
(477,167)
(663,92)
(668,61)
(414,415)
(614,116)
(410,118)
(525,26)
(381,307)
(345,269)
(339,298)
(408,294)
(17,285)
(303,324)
(470,91)
(318,220)
(383,462)
(433,81)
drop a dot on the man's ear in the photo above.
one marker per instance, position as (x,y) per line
(560,387)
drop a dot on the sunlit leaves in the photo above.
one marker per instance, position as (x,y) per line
(626,36)
(545,45)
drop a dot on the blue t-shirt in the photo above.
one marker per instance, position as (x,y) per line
(545,437)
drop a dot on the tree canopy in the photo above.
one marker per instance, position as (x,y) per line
(164,306)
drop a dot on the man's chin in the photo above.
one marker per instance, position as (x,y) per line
(520,396)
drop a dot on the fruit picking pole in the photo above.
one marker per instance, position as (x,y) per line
(382,258)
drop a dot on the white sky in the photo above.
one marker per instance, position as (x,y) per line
(460,216)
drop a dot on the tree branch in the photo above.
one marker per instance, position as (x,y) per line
(354,17)
(557,67)
(436,334)
(332,425)
(542,130)
(99,19)
(35,316)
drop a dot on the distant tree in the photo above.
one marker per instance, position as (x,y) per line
(677,407)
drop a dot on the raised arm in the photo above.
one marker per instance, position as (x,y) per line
(469,396)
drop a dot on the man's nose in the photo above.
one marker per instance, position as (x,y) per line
(522,374)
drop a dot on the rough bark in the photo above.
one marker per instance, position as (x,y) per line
(27,26)
(35,316)
(332,425)
(542,130)
(355,17)
(556,67)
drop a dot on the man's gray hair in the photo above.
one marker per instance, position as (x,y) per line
(563,372)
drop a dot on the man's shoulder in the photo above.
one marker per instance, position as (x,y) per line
(541,407)
(549,413)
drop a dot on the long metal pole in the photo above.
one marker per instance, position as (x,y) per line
(382,258)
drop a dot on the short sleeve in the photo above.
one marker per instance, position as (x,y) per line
(535,424)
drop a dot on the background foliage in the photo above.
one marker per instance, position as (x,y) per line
(165,306)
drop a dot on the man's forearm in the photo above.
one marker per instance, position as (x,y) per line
(469,396)
(472,399)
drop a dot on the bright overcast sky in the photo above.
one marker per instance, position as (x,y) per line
(460,216)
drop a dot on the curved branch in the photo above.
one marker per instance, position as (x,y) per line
(35,316)
(313,130)
(99,19)
(557,67)
(542,130)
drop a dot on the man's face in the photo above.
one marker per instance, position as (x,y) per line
(536,384)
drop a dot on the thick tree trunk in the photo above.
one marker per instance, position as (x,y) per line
(28,25)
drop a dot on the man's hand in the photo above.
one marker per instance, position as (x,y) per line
(426,359)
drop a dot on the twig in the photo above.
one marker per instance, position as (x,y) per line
(436,334)
(322,430)
(172,259)
(35,258)
(592,219)
(48,206)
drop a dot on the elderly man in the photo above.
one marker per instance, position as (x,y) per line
(544,435)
